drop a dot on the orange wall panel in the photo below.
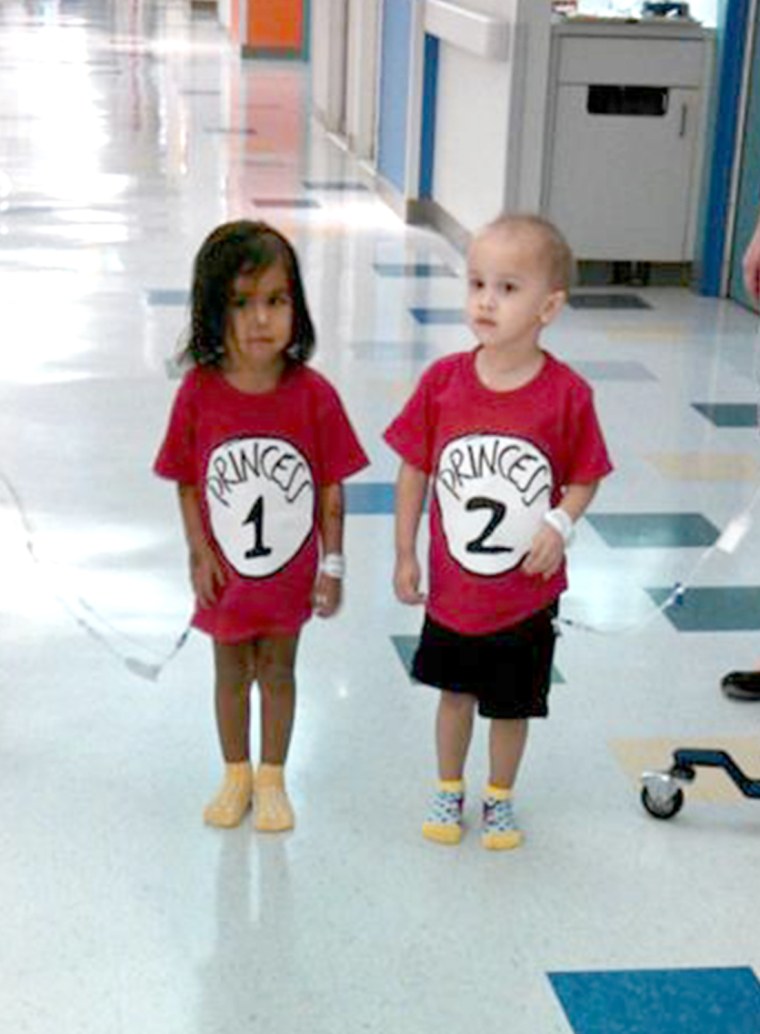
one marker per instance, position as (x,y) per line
(275,24)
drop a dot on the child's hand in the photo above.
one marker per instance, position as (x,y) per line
(327,596)
(207,575)
(546,553)
(406,581)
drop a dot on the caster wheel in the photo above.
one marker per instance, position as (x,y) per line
(660,806)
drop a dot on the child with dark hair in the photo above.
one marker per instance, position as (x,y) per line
(259,445)
(507,439)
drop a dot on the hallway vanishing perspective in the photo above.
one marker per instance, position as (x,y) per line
(129,129)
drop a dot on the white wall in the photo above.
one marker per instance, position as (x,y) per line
(361,76)
(224,12)
(529,105)
(705,11)
(471,119)
(490,118)
(484,6)
(328,57)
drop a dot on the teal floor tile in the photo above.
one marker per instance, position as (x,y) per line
(422,270)
(601,300)
(653,530)
(369,497)
(728,414)
(338,186)
(439,317)
(667,1001)
(167,296)
(612,370)
(712,609)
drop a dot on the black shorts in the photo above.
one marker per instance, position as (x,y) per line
(509,671)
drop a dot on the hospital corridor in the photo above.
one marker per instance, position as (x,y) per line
(129,129)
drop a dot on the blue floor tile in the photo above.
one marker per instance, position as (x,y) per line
(286,202)
(336,185)
(167,296)
(439,317)
(598,300)
(369,497)
(413,269)
(711,609)
(612,370)
(653,530)
(31,210)
(173,369)
(233,130)
(396,350)
(728,414)
(405,646)
(670,1001)
(269,159)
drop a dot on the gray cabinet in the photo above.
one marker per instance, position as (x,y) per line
(625,133)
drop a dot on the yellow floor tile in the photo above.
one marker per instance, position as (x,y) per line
(702,466)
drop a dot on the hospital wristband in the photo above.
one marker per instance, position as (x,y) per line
(333,565)
(562,523)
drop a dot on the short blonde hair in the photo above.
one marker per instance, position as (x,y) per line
(554,250)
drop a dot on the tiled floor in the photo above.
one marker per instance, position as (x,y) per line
(129,128)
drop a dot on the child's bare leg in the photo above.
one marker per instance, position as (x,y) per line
(453,732)
(275,664)
(507,738)
(506,744)
(234,666)
(235,671)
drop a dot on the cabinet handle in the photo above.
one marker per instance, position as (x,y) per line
(684,118)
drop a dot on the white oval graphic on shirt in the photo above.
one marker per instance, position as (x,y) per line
(492,491)
(260,495)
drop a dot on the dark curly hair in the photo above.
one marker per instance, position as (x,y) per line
(243,246)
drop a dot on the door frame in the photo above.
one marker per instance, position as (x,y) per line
(744,202)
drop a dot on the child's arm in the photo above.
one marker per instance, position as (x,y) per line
(206,572)
(328,588)
(548,546)
(411,486)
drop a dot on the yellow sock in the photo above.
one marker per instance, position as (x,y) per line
(233,798)
(451,785)
(272,811)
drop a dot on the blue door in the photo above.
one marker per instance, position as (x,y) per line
(748,197)
(393,100)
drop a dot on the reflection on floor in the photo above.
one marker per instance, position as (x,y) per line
(128,130)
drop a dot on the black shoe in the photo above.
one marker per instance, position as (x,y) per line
(741,685)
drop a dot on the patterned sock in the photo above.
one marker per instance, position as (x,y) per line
(444,820)
(500,832)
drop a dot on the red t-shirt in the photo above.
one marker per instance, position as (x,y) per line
(258,461)
(498,460)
